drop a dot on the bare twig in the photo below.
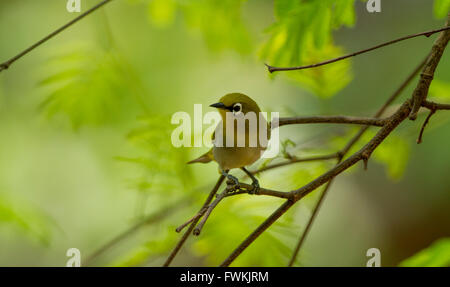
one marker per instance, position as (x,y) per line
(425,123)
(210,208)
(197,216)
(332,120)
(191,227)
(427,34)
(5,65)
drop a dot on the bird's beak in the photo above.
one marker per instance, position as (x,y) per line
(219,106)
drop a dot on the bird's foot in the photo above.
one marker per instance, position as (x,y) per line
(256,187)
(232,183)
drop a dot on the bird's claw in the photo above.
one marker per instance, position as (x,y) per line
(232,183)
(255,188)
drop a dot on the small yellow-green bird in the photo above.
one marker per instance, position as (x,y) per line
(237,105)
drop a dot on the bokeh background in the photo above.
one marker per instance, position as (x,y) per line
(85,129)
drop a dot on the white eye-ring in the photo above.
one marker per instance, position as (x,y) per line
(237,109)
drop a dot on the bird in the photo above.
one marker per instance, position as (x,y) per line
(234,154)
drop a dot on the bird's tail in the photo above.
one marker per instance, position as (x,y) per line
(205,158)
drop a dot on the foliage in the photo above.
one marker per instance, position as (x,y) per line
(89,85)
(25,218)
(302,34)
(436,255)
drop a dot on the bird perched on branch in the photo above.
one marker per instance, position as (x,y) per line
(239,139)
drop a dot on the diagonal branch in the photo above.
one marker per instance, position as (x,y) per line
(421,91)
(5,65)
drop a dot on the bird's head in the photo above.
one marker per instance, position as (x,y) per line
(236,103)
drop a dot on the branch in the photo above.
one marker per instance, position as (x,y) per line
(210,208)
(332,120)
(248,189)
(421,91)
(5,65)
(435,106)
(427,34)
(425,123)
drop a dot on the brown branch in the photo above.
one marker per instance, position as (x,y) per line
(197,216)
(425,123)
(5,65)
(332,120)
(421,91)
(435,106)
(345,150)
(191,227)
(210,208)
(248,189)
(427,34)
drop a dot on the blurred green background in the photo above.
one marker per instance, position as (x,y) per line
(85,130)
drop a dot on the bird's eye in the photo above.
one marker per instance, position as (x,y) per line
(237,108)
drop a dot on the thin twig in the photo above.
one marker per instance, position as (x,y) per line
(331,120)
(5,65)
(425,123)
(427,34)
(210,208)
(197,216)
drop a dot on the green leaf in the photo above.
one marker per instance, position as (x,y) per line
(436,255)
(441,8)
